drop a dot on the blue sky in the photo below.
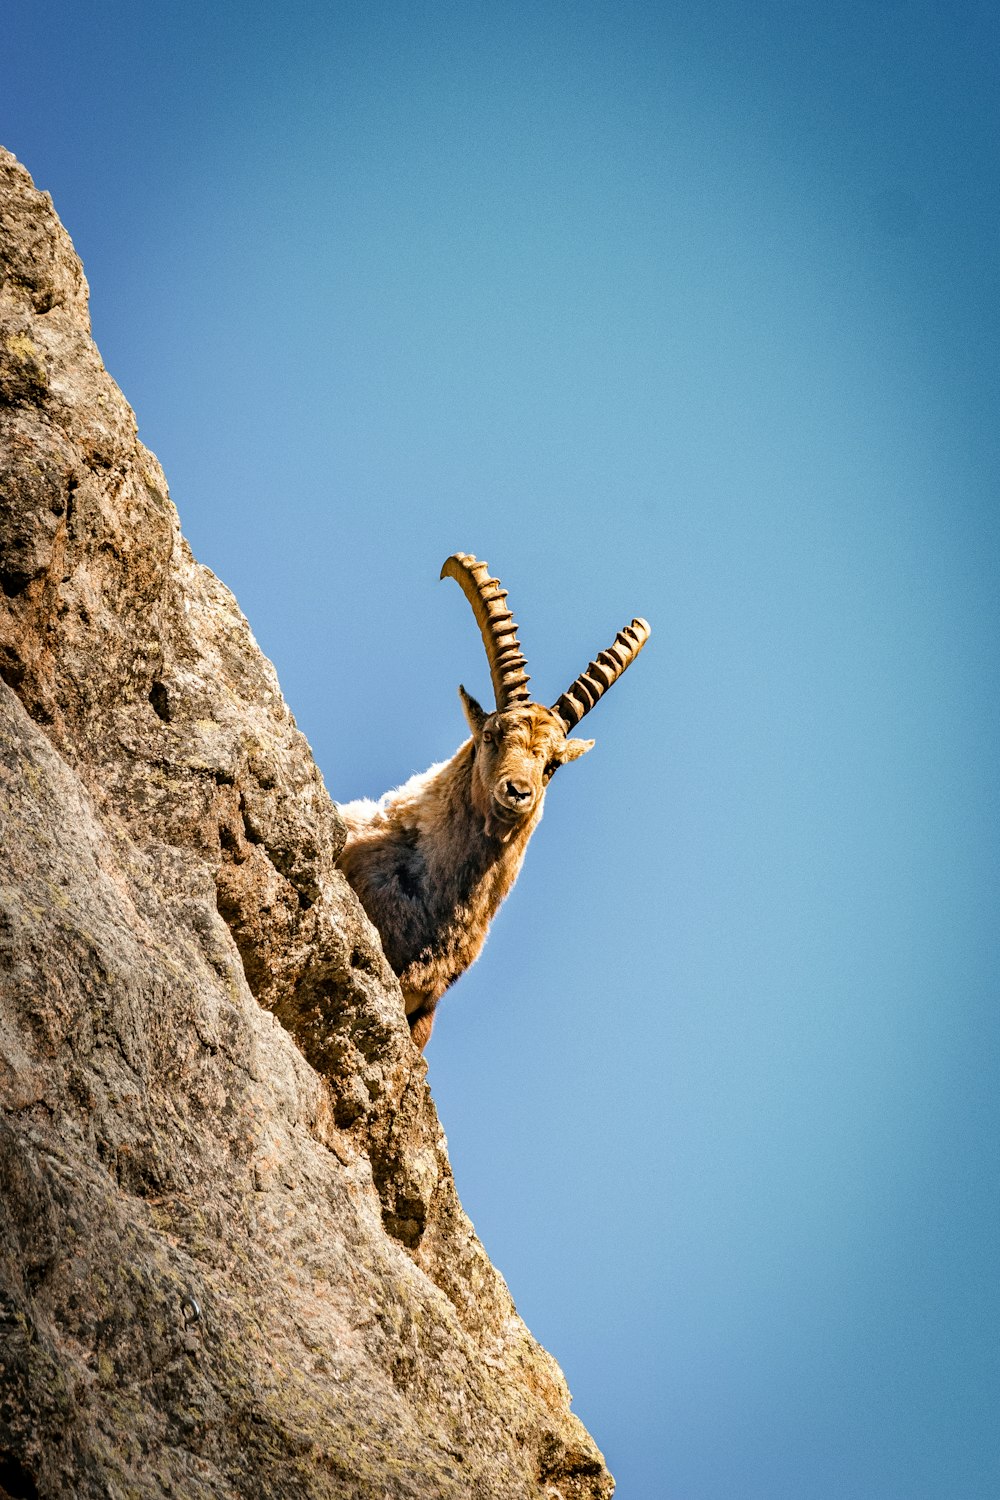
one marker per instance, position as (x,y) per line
(684,312)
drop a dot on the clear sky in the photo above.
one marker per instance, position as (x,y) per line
(687,311)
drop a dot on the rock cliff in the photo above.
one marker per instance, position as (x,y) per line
(232,1259)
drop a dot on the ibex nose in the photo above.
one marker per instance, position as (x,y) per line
(517,791)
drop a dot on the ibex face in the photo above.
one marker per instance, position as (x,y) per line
(517,752)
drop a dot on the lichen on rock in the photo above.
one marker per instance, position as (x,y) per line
(232,1258)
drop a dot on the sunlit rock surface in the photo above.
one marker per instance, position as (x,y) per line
(232,1261)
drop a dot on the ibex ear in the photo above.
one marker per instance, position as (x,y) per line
(573,749)
(476,716)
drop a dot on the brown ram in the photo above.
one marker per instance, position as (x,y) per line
(432,861)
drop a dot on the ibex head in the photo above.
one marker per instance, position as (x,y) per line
(520,745)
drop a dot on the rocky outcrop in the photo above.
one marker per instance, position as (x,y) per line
(232,1260)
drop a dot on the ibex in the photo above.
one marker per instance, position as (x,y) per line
(432,861)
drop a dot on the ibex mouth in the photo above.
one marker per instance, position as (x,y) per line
(502,819)
(504,813)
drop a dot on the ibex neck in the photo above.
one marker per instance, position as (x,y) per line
(473,865)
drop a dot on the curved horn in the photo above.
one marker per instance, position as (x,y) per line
(592,684)
(497,624)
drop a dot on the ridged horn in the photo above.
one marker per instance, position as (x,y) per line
(508,667)
(592,684)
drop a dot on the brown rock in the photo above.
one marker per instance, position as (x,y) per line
(232,1260)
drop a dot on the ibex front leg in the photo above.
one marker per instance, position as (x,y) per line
(420,1009)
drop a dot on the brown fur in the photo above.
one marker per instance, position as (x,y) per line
(432,861)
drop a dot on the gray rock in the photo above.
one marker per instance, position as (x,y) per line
(232,1259)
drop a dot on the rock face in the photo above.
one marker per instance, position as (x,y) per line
(232,1260)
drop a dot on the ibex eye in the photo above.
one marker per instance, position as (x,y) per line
(488,736)
(550,769)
